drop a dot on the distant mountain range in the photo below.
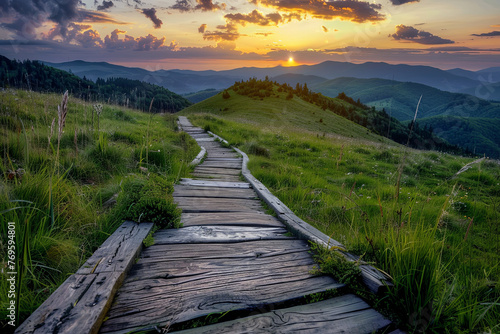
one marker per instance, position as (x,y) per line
(400,99)
(187,81)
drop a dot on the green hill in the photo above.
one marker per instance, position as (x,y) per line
(277,112)
(201,95)
(35,76)
(400,99)
(478,135)
(264,101)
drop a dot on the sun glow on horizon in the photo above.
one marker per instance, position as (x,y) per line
(291,62)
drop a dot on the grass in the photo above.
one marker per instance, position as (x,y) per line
(67,193)
(439,239)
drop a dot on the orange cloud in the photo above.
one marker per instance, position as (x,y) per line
(351,10)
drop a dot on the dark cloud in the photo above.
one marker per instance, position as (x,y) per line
(488,34)
(105,5)
(151,14)
(351,10)
(228,32)
(27,15)
(221,36)
(408,33)
(203,5)
(96,17)
(402,2)
(265,34)
(202,28)
(208,5)
(325,29)
(182,6)
(147,43)
(255,17)
(82,34)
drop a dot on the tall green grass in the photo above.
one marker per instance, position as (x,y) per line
(60,188)
(439,240)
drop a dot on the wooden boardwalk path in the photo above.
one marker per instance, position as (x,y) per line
(230,256)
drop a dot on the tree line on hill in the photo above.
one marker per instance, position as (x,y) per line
(377,121)
(33,75)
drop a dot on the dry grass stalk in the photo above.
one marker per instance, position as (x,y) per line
(62,112)
(76,141)
(51,133)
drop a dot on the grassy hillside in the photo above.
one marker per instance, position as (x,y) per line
(308,110)
(488,91)
(33,75)
(478,135)
(400,98)
(405,210)
(277,112)
(67,193)
(201,95)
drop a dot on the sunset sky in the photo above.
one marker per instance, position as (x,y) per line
(211,34)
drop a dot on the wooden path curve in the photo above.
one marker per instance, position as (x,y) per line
(230,258)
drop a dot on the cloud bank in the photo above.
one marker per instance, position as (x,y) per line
(408,33)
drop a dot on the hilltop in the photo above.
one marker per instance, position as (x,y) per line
(264,101)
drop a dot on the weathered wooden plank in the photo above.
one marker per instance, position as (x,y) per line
(219,234)
(203,139)
(222,202)
(189,204)
(229,218)
(184,122)
(254,249)
(191,191)
(344,314)
(199,157)
(222,164)
(244,257)
(216,170)
(208,209)
(215,177)
(200,135)
(49,315)
(118,252)
(222,155)
(240,160)
(218,184)
(84,298)
(89,312)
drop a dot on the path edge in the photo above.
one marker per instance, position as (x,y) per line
(376,281)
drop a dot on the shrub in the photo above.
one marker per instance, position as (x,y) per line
(255,149)
(148,200)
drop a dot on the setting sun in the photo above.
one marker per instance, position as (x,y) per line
(290,60)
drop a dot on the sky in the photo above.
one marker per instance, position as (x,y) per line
(225,34)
